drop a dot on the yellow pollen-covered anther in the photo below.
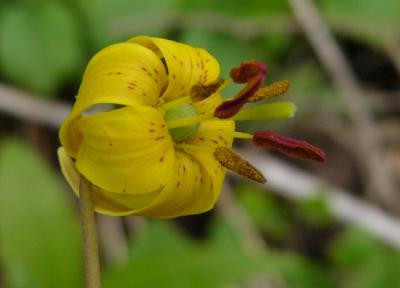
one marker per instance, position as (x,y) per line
(275,89)
(235,163)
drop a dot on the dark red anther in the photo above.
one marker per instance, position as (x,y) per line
(289,146)
(247,71)
(252,73)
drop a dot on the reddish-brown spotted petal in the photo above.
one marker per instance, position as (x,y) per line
(292,147)
(253,73)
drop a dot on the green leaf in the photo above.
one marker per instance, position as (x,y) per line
(297,272)
(164,258)
(314,210)
(39,234)
(39,45)
(364,262)
(239,7)
(267,213)
(119,20)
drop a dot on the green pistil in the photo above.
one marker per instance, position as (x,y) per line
(181,111)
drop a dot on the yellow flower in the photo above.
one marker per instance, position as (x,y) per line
(163,145)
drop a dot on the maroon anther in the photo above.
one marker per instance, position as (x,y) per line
(247,71)
(252,73)
(289,146)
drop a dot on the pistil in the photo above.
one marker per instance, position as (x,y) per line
(182,121)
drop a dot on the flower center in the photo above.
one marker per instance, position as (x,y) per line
(181,111)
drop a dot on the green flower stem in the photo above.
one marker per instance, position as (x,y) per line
(89,234)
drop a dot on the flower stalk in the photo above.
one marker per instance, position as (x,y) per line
(89,235)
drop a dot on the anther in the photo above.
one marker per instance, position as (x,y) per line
(230,160)
(247,71)
(275,89)
(200,92)
(253,73)
(289,146)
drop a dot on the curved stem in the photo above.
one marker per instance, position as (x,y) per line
(89,234)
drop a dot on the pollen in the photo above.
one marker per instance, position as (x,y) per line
(235,163)
(275,89)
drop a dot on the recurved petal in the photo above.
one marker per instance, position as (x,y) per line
(189,191)
(187,66)
(127,150)
(107,203)
(124,74)
(202,144)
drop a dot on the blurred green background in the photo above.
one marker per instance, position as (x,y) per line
(44,48)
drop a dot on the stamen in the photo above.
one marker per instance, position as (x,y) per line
(275,89)
(247,71)
(289,146)
(242,135)
(253,73)
(270,111)
(236,134)
(235,163)
(200,92)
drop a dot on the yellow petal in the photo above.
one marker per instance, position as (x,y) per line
(123,74)
(187,66)
(189,191)
(107,203)
(202,144)
(128,150)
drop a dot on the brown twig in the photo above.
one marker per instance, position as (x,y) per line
(377,174)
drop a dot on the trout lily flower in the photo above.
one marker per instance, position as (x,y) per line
(164,147)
